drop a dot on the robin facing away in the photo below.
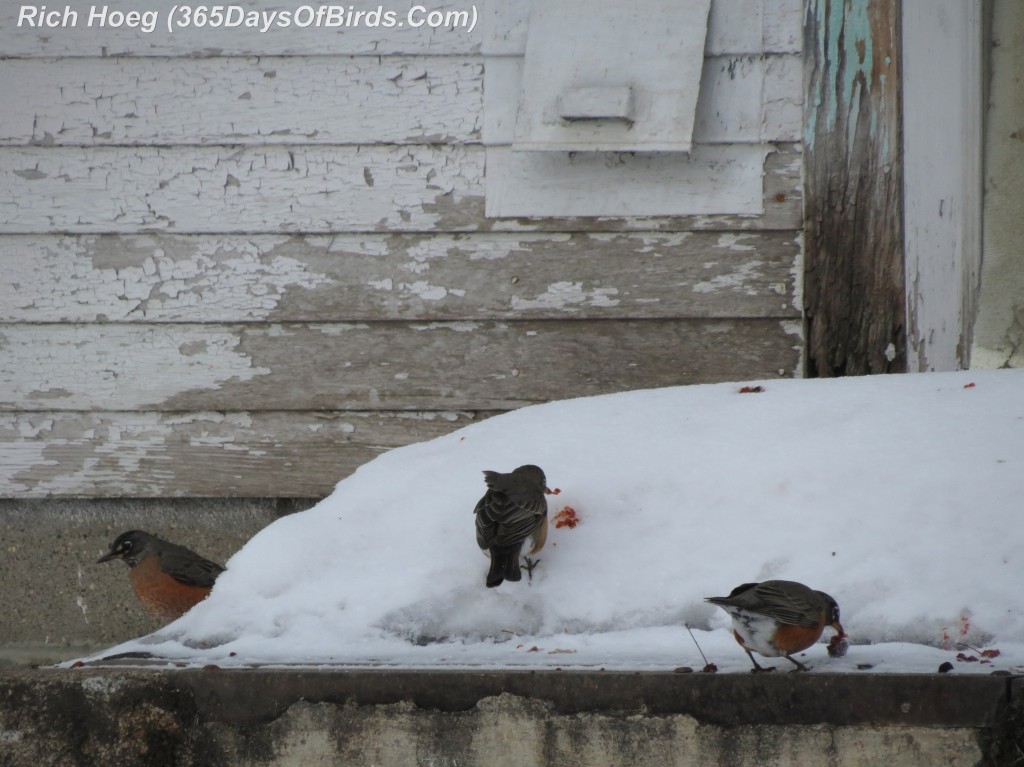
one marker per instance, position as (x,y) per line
(168,579)
(778,618)
(512,510)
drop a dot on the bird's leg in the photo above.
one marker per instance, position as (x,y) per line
(528,565)
(799,666)
(757,669)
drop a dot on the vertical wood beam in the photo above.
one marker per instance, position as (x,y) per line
(854,294)
(943,87)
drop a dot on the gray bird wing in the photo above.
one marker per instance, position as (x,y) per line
(188,567)
(791,604)
(504,521)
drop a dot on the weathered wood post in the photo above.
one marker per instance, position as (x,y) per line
(854,292)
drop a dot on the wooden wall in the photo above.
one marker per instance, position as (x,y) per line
(237,264)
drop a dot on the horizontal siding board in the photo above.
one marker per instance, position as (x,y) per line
(366,38)
(304,189)
(335,100)
(718,179)
(374,366)
(203,189)
(203,278)
(295,100)
(241,454)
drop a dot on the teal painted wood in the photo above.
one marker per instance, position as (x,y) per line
(854,297)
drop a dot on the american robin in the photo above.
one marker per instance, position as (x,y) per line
(512,510)
(778,618)
(167,578)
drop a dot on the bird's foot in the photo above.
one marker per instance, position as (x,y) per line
(528,565)
(799,666)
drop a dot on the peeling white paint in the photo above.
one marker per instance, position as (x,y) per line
(227,100)
(47,365)
(792,328)
(316,189)
(746,279)
(457,327)
(338,328)
(564,295)
(738,241)
(232,274)
(425,291)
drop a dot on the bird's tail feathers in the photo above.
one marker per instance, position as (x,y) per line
(504,566)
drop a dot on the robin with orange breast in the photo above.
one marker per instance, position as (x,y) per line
(779,618)
(512,510)
(167,578)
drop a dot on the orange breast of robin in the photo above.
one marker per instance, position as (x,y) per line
(161,595)
(791,639)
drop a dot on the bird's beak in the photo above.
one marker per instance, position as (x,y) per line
(107,557)
(839,629)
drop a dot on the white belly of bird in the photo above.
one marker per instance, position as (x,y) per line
(756,632)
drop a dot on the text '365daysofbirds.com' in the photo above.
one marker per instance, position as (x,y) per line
(186,16)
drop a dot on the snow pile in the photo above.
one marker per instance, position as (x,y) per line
(898,495)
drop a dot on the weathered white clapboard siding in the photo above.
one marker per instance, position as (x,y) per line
(292,100)
(238,263)
(252,189)
(247,454)
(734,27)
(198,278)
(376,366)
(327,100)
(706,181)
(317,189)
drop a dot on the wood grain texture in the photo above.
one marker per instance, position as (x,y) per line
(309,189)
(202,454)
(376,366)
(854,274)
(265,100)
(288,278)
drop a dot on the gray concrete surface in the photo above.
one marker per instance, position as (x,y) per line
(57,603)
(216,717)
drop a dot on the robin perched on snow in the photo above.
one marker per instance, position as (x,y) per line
(512,510)
(779,618)
(167,578)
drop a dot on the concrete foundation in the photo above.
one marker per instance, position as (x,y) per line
(217,717)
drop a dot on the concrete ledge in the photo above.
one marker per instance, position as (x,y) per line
(217,717)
